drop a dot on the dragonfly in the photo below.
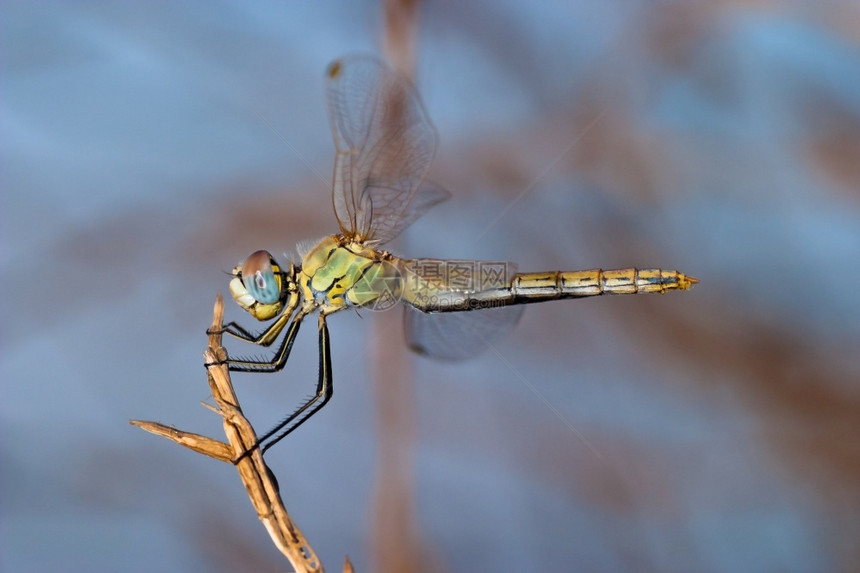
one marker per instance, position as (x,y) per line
(385,143)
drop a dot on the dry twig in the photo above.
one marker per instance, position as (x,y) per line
(255,475)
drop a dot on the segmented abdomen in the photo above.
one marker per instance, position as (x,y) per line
(524,288)
(572,284)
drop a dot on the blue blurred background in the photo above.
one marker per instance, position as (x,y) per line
(148,147)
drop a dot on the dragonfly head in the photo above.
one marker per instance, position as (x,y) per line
(261,286)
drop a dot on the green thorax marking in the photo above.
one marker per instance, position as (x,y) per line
(337,273)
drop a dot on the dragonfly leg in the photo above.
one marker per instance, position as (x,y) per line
(269,335)
(236,330)
(279,359)
(311,406)
(265,338)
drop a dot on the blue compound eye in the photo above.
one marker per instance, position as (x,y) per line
(258,276)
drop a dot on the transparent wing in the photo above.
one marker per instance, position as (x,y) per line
(385,144)
(458,335)
(429,194)
(433,283)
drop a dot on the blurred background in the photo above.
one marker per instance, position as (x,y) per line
(147,148)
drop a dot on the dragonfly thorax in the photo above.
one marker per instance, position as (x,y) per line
(338,273)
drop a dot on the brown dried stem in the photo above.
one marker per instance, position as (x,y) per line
(259,481)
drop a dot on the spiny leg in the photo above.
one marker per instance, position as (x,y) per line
(265,338)
(279,359)
(314,404)
(270,334)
